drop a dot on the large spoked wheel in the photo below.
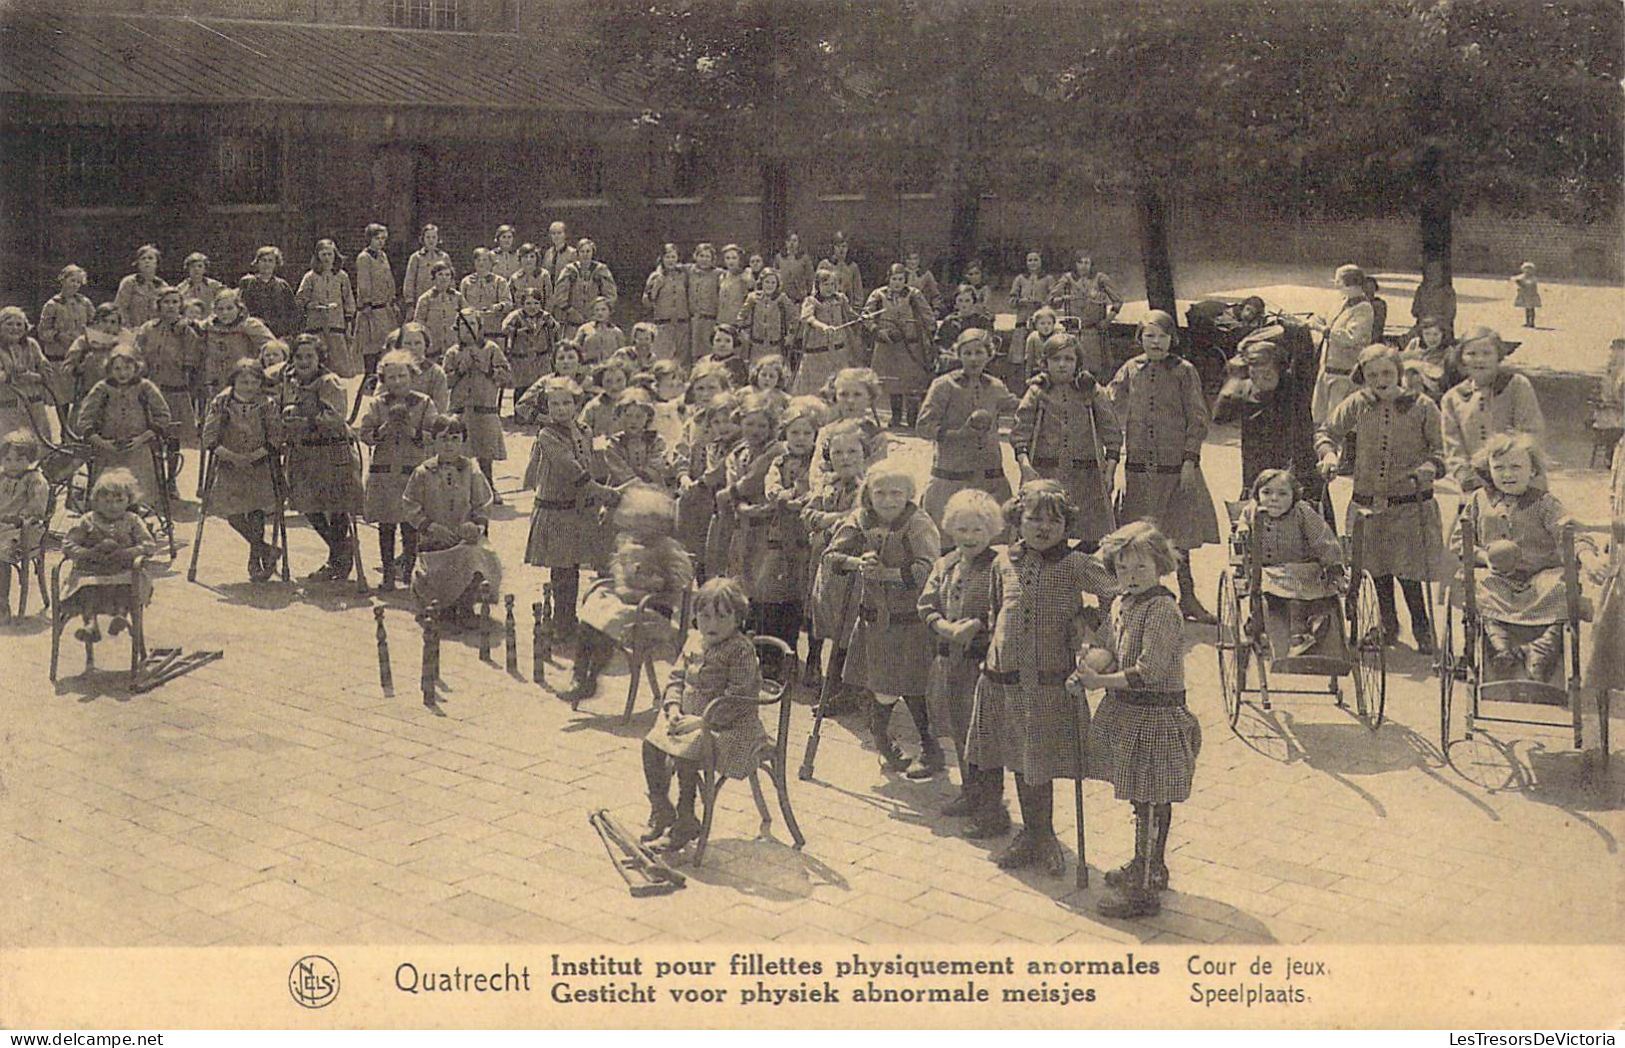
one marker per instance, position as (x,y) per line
(1231,646)
(1370,657)
(1447,675)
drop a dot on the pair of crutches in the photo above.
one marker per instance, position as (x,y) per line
(279,525)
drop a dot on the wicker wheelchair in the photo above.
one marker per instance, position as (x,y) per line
(1494,695)
(1252,632)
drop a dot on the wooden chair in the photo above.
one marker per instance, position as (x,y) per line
(28,558)
(1606,424)
(641,652)
(773,758)
(131,607)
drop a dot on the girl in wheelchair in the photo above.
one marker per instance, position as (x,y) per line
(102,546)
(717,685)
(1301,557)
(25,497)
(1518,537)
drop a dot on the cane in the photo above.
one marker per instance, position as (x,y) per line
(1081,755)
(206,483)
(279,523)
(386,676)
(1101,465)
(835,648)
(430,673)
(538,643)
(485,621)
(361,584)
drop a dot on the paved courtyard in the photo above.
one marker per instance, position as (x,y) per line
(278,797)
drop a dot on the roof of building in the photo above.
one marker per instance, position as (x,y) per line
(169,59)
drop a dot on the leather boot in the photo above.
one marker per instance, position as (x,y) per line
(891,758)
(1189,606)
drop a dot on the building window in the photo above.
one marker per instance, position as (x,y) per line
(676,168)
(101,167)
(247,170)
(427,14)
(585,174)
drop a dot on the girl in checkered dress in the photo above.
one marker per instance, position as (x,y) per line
(1023,718)
(780,579)
(843,455)
(954,607)
(1144,740)
(890,544)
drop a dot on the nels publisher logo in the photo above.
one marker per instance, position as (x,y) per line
(313,981)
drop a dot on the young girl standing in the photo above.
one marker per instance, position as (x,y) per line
(428,377)
(767,319)
(24,501)
(267,296)
(1023,718)
(528,334)
(670,411)
(86,362)
(137,297)
(1067,431)
(844,455)
(323,467)
(826,324)
(712,434)
(1398,454)
(599,414)
(241,431)
(780,577)
(954,607)
(636,453)
(504,259)
(737,541)
(856,392)
(420,265)
(1341,340)
(795,268)
(1159,397)
(487,291)
(961,419)
(438,307)
(902,324)
(22,377)
(197,283)
(62,319)
(921,279)
(733,285)
(1493,399)
(230,335)
(125,419)
(564,516)
(599,337)
(581,283)
(1029,292)
(327,308)
(890,544)
(1088,294)
(375,315)
(1143,739)
(965,316)
(1528,293)
(102,547)
(170,348)
(665,295)
(395,426)
(725,354)
(478,373)
(704,282)
(767,378)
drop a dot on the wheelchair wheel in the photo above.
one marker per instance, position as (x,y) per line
(1231,647)
(1447,676)
(1370,659)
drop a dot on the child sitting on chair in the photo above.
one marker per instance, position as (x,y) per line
(648,562)
(24,497)
(1300,555)
(717,686)
(1518,533)
(446,500)
(102,546)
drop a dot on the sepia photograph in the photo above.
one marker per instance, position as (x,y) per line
(826,514)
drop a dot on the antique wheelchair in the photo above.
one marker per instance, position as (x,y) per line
(1495,697)
(1252,633)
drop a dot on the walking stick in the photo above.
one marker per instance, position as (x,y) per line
(538,642)
(1082,757)
(510,638)
(1100,470)
(206,486)
(430,672)
(279,523)
(835,648)
(386,676)
(485,621)
(361,584)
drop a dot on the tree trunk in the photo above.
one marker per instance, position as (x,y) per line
(1159,267)
(1435,215)
(775,204)
(962,233)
